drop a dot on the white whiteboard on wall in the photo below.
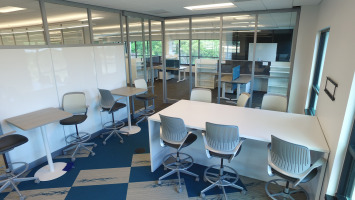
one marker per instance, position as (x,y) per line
(263,52)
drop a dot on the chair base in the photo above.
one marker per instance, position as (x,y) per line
(145,114)
(178,165)
(221,179)
(114,129)
(112,133)
(11,179)
(79,143)
(285,192)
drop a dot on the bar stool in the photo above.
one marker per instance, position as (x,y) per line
(175,135)
(7,143)
(222,141)
(292,163)
(141,83)
(108,104)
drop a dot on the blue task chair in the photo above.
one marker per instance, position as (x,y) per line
(222,141)
(174,134)
(11,177)
(292,163)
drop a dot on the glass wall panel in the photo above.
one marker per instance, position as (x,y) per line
(205,48)
(273,51)
(136,45)
(237,36)
(106,27)
(177,54)
(21,24)
(67,25)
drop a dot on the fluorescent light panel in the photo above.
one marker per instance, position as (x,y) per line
(8,9)
(211,6)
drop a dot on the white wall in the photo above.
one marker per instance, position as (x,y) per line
(33,79)
(338,64)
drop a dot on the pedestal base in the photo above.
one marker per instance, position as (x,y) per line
(133,130)
(45,175)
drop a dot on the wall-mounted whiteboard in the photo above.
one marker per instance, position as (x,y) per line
(263,52)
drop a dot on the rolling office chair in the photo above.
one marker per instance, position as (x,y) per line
(108,104)
(291,162)
(75,103)
(201,94)
(222,141)
(243,99)
(146,97)
(274,102)
(174,134)
(7,143)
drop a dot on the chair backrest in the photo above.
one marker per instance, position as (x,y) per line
(74,102)
(201,94)
(140,83)
(243,99)
(291,158)
(222,137)
(107,100)
(173,129)
(274,102)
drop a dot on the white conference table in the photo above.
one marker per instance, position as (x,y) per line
(127,92)
(37,119)
(255,125)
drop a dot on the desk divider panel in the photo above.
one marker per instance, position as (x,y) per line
(36,78)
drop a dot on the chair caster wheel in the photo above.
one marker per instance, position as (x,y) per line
(244,192)
(121,141)
(104,142)
(22,197)
(95,145)
(37,181)
(101,136)
(204,179)
(92,154)
(179,190)
(159,182)
(203,196)
(165,168)
(72,159)
(197,179)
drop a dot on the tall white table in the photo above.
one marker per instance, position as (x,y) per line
(37,119)
(255,125)
(127,92)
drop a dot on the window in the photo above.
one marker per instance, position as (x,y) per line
(106,27)
(317,74)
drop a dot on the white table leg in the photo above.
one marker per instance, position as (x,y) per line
(224,91)
(52,170)
(184,74)
(129,130)
(179,77)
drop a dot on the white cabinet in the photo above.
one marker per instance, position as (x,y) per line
(279,77)
(205,73)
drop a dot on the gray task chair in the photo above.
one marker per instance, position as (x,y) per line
(243,99)
(174,134)
(274,102)
(11,176)
(75,103)
(146,97)
(110,105)
(222,141)
(201,94)
(292,163)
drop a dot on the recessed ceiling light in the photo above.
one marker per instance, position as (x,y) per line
(94,18)
(8,9)
(211,6)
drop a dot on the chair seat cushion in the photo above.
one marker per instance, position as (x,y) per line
(9,142)
(311,175)
(75,119)
(189,140)
(115,107)
(146,96)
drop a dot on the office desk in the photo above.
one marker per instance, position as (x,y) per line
(37,119)
(243,79)
(181,69)
(255,125)
(127,92)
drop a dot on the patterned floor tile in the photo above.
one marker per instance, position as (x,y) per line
(151,190)
(102,176)
(41,194)
(141,160)
(98,192)
(82,153)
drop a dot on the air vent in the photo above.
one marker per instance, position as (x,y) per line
(158,12)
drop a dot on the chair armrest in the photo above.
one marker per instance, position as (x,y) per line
(119,99)
(318,163)
(189,134)
(236,149)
